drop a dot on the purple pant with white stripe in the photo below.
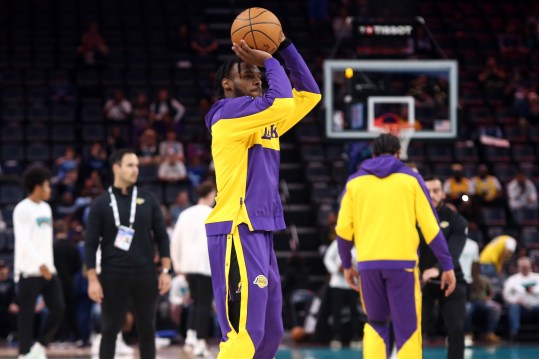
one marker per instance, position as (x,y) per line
(260,328)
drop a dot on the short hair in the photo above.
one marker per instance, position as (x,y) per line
(35,176)
(431,178)
(204,189)
(224,72)
(386,143)
(117,156)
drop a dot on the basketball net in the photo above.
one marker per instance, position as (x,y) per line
(404,131)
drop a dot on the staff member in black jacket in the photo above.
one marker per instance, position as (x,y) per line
(453,307)
(128,221)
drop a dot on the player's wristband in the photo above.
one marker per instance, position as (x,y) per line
(286,42)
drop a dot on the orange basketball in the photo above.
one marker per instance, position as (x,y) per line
(259,27)
(298,334)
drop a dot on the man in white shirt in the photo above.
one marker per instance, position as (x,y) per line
(342,297)
(189,254)
(522,193)
(470,254)
(521,294)
(34,264)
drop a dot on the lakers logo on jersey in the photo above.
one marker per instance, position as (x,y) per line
(270,133)
(261,281)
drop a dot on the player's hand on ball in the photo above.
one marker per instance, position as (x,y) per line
(352,278)
(249,55)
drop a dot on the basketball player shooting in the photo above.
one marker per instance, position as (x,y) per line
(246,125)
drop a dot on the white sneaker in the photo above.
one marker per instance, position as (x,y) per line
(96,342)
(201,350)
(356,344)
(190,340)
(468,341)
(121,347)
(36,352)
(161,342)
(335,344)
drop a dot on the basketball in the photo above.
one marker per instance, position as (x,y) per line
(298,334)
(259,27)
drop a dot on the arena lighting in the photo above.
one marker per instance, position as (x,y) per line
(465,198)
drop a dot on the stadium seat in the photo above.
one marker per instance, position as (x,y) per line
(38,152)
(10,193)
(494,216)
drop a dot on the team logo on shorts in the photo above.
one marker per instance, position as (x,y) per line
(238,291)
(444,224)
(261,281)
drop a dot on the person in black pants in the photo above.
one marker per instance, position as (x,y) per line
(68,262)
(128,221)
(453,307)
(34,264)
(189,252)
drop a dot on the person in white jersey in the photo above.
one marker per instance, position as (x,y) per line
(189,254)
(34,264)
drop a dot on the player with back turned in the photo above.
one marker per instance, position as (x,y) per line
(245,125)
(380,208)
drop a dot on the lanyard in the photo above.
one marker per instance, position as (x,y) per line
(115,208)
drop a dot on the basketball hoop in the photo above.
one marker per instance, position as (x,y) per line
(404,131)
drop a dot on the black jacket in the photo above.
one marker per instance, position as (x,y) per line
(454,227)
(149,228)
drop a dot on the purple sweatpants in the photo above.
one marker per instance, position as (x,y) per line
(391,295)
(260,324)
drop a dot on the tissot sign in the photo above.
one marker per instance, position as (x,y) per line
(384,30)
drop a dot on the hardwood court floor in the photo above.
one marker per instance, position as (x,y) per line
(175,352)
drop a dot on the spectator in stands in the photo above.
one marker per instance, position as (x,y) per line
(511,41)
(93,49)
(469,255)
(67,262)
(492,78)
(522,193)
(92,185)
(517,90)
(422,44)
(95,161)
(532,117)
(521,294)
(342,24)
(69,184)
(62,91)
(116,140)
(165,112)
(8,308)
(182,47)
(496,253)
(196,169)
(204,43)
(148,151)
(141,114)
(343,298)
(68,162)
(481,300)
(457,185)
(487,188)
(171,169)
(171,146)
(117,108)
(319,20)
(182,202)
